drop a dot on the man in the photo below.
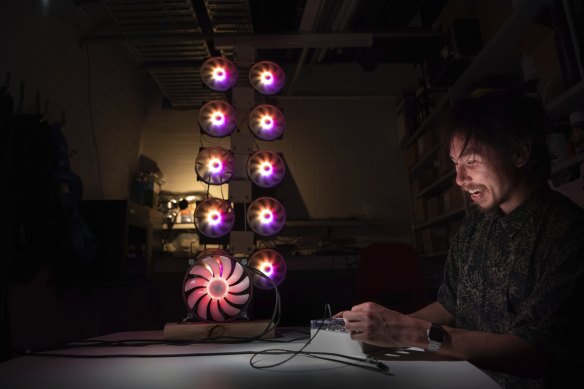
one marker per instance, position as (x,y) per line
(512,296)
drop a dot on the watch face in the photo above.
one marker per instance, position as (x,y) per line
(436,333)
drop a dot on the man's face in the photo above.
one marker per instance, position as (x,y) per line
(482,173)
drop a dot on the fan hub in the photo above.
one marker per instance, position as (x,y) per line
(217,288)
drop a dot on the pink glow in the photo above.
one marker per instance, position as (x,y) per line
(214,217)
(215,165)
(217,118)
(266,216)
(217,288)
(266,169)
(219,74)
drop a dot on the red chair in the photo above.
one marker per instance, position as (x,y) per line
(391,274)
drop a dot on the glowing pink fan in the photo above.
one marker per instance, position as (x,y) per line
(267,78)
(214,165)
(266,169)
(217,288)
(214,217)
(217,118)
(272,264)
(266,216)
(219,73)
(267,122)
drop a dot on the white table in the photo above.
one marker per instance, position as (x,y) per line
(224,372)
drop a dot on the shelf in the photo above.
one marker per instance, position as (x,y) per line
(431,119)
(189,226)
(443,218)
(497,56)
(573,160)
(568,102)
(426,160)
(441,183)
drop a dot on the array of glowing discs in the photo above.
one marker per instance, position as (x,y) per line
(267,77)
(267,122)
(217,118)
(219,74)
(266,168)
(266,216)
(272,264)
(217,288)
(215,165)
(214,217)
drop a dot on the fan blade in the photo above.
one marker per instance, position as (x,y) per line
(200,271)
(195,296)
(237,299)
(237,272)
(226,267)
(215,266)
(228,309)
(202,308)
(194,282)
(238,288)
(215,312)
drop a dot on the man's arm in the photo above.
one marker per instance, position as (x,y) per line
(434,313)
(376,325)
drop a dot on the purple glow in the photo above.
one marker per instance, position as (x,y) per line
(214,217)
(217,118)
(266,169)
(272,264)
(267,122)
(219,74)
(267,77)
(266,216)
(215,165)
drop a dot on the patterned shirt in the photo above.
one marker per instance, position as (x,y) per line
(523,274)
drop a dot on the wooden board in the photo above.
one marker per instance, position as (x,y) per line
(201,331)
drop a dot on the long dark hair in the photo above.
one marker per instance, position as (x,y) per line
(506,122)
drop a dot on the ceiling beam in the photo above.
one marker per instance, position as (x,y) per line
(295,40)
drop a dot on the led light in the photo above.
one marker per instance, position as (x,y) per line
(266,169)
(214,165)
(219,74)
(217,287)
(272,264)
(267,78)
(266,216)
(267,122)
(217,118)
(214,218)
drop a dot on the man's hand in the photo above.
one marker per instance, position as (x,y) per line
(373,324)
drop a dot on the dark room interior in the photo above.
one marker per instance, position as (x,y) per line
(106,116)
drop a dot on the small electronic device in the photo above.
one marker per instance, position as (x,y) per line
(330,336)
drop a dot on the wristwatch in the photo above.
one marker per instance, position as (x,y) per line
(436,336)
